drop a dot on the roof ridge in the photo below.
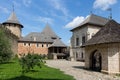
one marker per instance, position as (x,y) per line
(12,16)
(99,16)
(93,20)
(48,30)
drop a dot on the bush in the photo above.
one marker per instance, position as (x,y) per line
(29,61)
(5,48)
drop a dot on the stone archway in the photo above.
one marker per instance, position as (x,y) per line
(96,61)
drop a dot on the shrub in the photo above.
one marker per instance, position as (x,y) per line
(29,61)
(5,48)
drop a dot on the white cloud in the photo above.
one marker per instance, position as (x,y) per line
(104,4)
(27,2)
(16,3)
(59,5)
(45,19)
(5,10)
(75,22)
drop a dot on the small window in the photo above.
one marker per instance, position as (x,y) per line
(77,41)
(25,44)
(42,45)
(37,45)
(28,44)
(14,25)
(83,40)
(47,45)
(76,55)
(82,55)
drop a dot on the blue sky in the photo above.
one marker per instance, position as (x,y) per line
(62,15)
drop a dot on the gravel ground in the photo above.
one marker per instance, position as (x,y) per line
(77,70)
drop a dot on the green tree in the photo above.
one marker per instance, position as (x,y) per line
(5,47)
(29,61)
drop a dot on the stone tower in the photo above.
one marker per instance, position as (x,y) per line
(13,25)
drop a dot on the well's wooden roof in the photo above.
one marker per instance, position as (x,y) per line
(108,34)
(58,43)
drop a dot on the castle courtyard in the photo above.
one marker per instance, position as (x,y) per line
(77,70)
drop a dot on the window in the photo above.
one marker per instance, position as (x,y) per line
(37,44)
(76,55)
(15,25)
(77,41)
(83,40)
(47,45)
(28,44)
(82,55)
(25,44)
(42,45)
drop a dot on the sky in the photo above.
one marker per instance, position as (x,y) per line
(61,15)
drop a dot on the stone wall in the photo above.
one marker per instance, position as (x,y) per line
(14,28)
(110,57)
(92,30)
(113,58)
(12,39)
(14,44)
(38,48)
(77,54)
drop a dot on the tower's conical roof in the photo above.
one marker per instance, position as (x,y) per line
(13,19)
(48,31)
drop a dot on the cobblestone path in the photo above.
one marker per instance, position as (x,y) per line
(77,70)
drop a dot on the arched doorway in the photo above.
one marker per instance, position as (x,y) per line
(96,61)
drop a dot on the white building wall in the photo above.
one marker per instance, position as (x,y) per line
(92,30)
(15,29)
(87,31)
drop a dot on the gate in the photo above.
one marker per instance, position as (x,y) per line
(96,61)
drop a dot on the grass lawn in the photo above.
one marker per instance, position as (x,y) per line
(12,71)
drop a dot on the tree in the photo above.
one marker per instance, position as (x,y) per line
(29,61)
(5,47)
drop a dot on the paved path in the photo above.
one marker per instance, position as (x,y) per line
(76,69)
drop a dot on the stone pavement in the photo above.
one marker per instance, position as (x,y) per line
(77,70)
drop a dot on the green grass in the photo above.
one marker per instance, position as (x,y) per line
(12,71)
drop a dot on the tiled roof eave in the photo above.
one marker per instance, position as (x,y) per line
(13,23)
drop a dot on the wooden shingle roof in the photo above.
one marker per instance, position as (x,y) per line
(13,19)
(93,20)
(48,31)
(58,43)
(108,34)
(47,35)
